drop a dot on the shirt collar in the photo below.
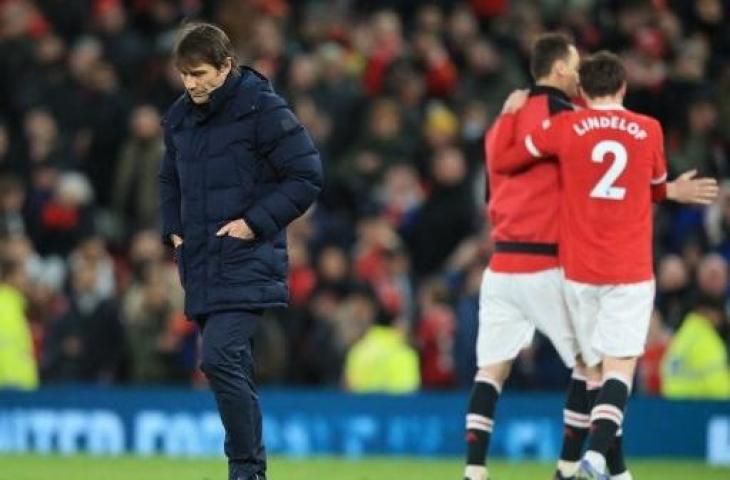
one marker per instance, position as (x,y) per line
(607,106)
(548,90)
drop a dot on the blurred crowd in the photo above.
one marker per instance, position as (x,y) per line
(385,271)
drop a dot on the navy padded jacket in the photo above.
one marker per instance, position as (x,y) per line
(243,155)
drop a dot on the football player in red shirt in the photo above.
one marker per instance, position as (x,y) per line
(522,288)
(611,166)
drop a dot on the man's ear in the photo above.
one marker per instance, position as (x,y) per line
(560,67)
(227,66)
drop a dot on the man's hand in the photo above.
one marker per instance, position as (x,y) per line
(238,229)
(515,101)
(176,240)
(688,189)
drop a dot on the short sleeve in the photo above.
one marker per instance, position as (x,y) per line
(659,162)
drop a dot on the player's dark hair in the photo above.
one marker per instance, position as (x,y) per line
(203,43)
(602,74)
(547,49)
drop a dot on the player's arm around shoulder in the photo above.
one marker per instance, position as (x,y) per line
(507,155)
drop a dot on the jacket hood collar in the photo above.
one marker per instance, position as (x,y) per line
(222,93)
(251,85)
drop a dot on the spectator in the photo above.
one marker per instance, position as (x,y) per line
(45,142)
(135,186)
(17,360)
(381,361)
(122,45)
(491,75)
(436,336)
(401,195)
(156,339)
(92,251)
(49,271)
(699,147)
(146,252)
(712,277)
(375,236)
(339,95)
(440,72)
(316,345)
(440,131)
(384,135)
(385,42)
(65,215)
(674,293)
(85,344)
(12,197)
(447,216)
(696,362)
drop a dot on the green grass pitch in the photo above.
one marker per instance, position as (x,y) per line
(35,467)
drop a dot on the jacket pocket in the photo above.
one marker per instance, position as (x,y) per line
(180,261)
(243,261)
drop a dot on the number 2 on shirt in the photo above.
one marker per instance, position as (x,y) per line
(605,189)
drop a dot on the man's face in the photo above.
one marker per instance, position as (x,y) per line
(202,78)
(569,72)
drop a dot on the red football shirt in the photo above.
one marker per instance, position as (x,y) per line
(523,206)
(609,157)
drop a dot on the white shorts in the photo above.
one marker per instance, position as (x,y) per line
(513,305)
(610,320)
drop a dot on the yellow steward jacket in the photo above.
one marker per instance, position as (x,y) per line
(17,363)
(696,363)
(383,362)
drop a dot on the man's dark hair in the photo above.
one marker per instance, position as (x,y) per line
(602,74)
(203,43)
(547,49)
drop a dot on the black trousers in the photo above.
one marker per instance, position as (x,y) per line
(228,364)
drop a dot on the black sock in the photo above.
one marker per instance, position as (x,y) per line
(592,394)
(576,420)
(607,415)
(479,422)
(615,456)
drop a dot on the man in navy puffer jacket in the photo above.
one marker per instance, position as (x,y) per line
(238,168)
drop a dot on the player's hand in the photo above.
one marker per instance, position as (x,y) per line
(515,101)
(688,189)
(176,240)
(238,229)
